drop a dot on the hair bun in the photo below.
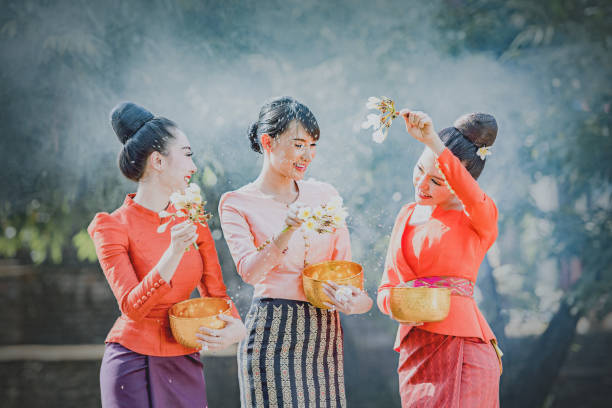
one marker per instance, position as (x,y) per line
(253,137)
(127,118)
(479,128)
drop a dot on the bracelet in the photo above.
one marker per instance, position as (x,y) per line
(268,241)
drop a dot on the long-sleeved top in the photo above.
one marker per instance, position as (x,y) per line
(249,218)
(128,248)
(452,243)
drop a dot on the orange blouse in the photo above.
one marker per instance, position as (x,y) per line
(128,248)
(451,243)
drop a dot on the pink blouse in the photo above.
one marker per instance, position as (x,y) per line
(249,218)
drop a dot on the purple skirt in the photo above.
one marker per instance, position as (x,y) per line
(129,379)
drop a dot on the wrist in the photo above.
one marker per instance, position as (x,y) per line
(436,145)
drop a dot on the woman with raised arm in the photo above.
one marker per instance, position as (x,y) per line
(148,272)
(292,355)
(440,240)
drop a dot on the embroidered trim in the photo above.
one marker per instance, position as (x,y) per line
(277,312)
(259,334)
(300,329)
(284,361)
(320,369)
(310,354)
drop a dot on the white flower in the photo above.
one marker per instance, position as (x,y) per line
(309,224)
(304,213)
(373,121)
(318,212)
(179,200)
(379,136)
(192,197)
(193,187)
(164,214)
(483,152)
(373,102)
(343,294)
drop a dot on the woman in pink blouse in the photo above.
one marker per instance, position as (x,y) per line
(292,354)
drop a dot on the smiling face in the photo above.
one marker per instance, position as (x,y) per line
(428,181)
(292,151)
(179,166)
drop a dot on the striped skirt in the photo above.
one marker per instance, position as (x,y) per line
(291,357)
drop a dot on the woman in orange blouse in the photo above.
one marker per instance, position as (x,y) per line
(148,272)
(440,240)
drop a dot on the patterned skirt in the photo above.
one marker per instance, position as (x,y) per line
(292,356)
(436,370)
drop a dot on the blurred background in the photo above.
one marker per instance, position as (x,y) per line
(542,68)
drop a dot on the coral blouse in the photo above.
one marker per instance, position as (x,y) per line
(451,243)
(249,218)
(128,248)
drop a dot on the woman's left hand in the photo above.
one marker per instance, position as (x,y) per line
(346,298)
(218,339)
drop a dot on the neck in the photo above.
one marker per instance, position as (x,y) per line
(452,204)
(151,196)
(270,181)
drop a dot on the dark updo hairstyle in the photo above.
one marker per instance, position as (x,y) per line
(141,134)
(276,115)
(468,134)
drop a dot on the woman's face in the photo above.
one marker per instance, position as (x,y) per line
(292,151)
(429,186)
(179,164)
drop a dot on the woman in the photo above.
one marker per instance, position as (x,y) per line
(440,240)
(148,272)
(292,355)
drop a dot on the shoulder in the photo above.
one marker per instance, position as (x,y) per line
(107,224)
(320,188)
(406,208)
(236,198)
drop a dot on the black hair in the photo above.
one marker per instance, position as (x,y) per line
(276,115)
(141,134)
(468,134)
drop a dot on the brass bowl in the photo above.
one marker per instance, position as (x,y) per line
(341,272)
(420,305)
(188,316)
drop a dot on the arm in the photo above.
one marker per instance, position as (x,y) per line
(390,277)
(480,208)
(135,298)
(251,263)
(342,244)
(211,284)
(358,301)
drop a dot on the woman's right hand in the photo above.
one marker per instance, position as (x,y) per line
(292,220)
(181,236)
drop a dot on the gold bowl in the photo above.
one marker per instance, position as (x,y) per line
(188,316)
(341,272)
(420,305)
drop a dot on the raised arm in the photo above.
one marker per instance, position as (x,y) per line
(479,207)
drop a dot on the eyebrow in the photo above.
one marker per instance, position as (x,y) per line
(302,140)
(433,177)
